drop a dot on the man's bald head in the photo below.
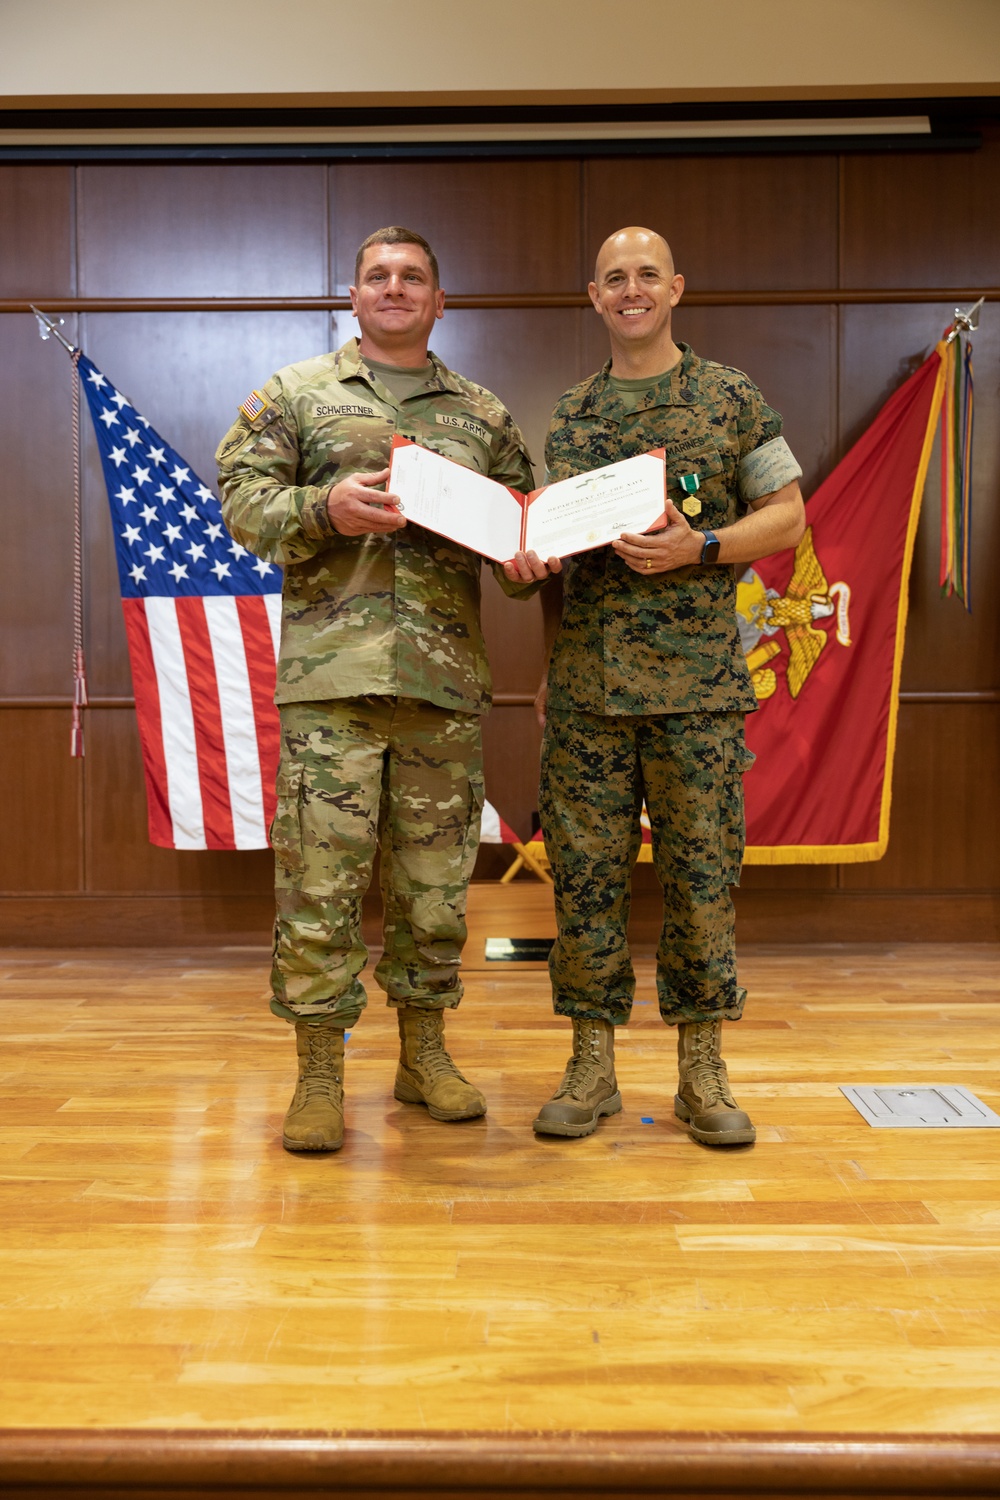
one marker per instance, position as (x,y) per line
(634,291)
(630,242)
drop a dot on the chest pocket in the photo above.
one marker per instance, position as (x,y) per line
(465,448)
(696,483)
(341,440)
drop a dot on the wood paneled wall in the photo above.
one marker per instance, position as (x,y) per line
(76,865)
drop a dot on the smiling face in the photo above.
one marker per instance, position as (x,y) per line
(396,302)
(635,290)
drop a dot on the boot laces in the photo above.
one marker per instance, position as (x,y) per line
(712,1083)
(431,1054)
(321,1068)
(584,1066)
(707,1070)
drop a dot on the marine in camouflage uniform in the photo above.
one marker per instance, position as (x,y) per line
(382,681)
(647,688)
(648,682)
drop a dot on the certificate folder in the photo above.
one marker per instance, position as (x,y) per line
(571,515)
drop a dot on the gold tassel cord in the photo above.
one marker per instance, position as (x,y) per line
(49,328)
(79,668)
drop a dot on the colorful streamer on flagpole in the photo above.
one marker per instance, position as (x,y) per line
(968,406)
(957,416)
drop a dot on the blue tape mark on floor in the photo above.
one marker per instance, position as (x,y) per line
(646,1120)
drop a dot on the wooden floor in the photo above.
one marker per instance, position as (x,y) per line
(165,1264)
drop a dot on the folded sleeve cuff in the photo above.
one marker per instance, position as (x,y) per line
(315,518)
(766,469)
(515,590)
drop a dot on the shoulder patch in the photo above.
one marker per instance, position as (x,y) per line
(238,437)
(259,411)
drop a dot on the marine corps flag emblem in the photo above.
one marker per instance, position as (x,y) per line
(823,632)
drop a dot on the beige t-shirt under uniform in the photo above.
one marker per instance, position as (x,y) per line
(402,381)
(631,392)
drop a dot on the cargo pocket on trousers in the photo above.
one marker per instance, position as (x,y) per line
(477,799)
(736,759)
(286,826)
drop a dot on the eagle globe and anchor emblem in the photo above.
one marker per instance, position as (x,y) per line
(761,612)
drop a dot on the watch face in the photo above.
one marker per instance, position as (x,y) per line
(710,551)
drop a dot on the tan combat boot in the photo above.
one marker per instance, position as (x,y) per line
(315,1118)
(426,1074)
(704,1100)
(589,1088)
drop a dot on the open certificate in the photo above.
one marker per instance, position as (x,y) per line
(569,516)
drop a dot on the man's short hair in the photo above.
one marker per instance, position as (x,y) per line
(395,234)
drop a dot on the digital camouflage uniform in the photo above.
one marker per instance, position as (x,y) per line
(382,678)
(647,690)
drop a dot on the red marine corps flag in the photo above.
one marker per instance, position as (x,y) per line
(823,632)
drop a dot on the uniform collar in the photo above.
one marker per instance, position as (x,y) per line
(349,364)
(678,387)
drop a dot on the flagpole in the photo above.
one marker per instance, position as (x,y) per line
(49,328)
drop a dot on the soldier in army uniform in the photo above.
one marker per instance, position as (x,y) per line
(382,680)
(647,689)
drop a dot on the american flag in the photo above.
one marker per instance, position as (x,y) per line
(202,617)
(494,830)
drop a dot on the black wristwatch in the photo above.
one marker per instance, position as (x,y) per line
(710,547)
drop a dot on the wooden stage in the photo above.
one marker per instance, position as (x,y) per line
(464,1309)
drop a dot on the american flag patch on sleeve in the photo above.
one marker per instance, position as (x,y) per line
(253,405)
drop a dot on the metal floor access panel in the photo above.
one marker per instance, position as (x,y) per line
(938,1106)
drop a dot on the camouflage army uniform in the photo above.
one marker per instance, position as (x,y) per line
(382,678)
(647,690)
